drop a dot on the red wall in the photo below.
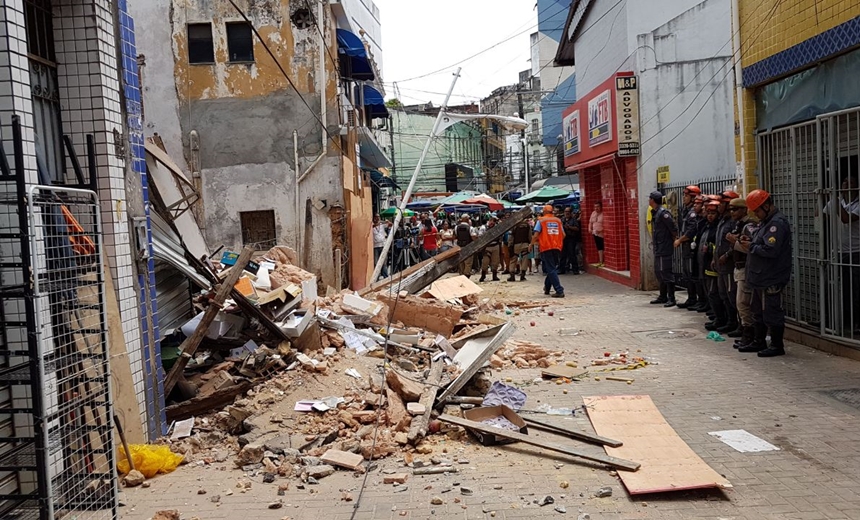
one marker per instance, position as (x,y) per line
(610,183)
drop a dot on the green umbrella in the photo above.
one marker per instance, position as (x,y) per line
(545,194)
(391,212)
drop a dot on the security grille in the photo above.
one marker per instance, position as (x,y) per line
(788,159)
(68,295)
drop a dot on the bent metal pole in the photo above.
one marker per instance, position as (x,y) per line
(406,196)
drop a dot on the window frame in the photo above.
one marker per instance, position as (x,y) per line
(240,23)
(192,61)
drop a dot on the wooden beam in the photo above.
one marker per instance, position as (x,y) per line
(404,277)
(189,346)
(418,428)
(574,434)
(206,403)
(468,251)
(525,439)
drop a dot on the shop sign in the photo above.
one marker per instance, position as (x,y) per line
(627,112)
(599,119)
(662,175)
(571,133)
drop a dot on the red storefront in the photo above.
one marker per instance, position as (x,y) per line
(592,132)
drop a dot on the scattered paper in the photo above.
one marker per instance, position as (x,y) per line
(330,351)
(353,373)
(743,441)
(182,429)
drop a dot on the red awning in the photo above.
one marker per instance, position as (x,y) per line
(593,162)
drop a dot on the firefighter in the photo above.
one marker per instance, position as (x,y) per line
(745,228)
(769,263)
(726,286)
(707,245)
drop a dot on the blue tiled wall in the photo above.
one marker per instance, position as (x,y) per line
(153,373)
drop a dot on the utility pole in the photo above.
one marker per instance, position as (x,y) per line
(393,160)
(523,131)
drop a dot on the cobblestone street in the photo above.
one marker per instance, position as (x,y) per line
(700,386)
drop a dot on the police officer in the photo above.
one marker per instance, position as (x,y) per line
(463,233)
(521,238)
(663,232)
(549,235)
(768,271)
(689,227)
(701,223)
(491,254)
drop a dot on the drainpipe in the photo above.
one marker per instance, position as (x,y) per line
(739,92)
(298,180)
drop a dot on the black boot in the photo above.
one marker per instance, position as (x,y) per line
(687,304)
(777,346)
(496,277)
(746,338)
(728,327)
(662,298)
(671,295)
(759,341)
(738,332)
(716,324)
(512,277)
(483,277)
(523,276)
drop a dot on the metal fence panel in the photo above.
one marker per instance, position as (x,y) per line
(68,288)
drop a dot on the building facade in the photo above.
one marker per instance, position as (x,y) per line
(268,108)
(798,139)
(654,90)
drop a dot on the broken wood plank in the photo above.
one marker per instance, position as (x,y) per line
(622,379)
(461,399)
(525,439)
(668,463)
(574,434)
(206,403)
(189,346)
(407,275)
(563,371)
(434,470)
(343,459)
(443,266)
(418,429)
(451,288)
(473,353)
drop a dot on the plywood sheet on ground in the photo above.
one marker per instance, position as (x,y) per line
(668,463)
(454,287)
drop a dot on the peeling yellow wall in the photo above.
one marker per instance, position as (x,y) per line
(295,50)
(769,27)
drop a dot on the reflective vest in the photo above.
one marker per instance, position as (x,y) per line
(551,234)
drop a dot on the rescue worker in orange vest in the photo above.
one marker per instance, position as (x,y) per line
(549,235)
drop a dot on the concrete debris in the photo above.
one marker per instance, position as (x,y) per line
(319,472)
(560,509)
(133,479)
(545,501)
(603,492)
(168,514)
(396,478)
(436,501)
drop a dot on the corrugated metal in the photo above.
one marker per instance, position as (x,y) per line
(172,284)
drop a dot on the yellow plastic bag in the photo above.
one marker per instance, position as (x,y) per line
(149,459)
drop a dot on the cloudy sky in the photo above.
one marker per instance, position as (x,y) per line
(420,37)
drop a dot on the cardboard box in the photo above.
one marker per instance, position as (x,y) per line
(489,412)
(296,323)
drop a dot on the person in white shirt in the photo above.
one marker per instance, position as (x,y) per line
(848,202)
(380,233)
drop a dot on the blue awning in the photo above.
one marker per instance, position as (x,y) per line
(354,63)
(374,103)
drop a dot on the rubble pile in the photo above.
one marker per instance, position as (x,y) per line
(525,354)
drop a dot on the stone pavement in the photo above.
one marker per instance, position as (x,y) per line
(698,385)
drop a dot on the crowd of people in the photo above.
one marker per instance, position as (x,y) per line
(516,253)
(735,267)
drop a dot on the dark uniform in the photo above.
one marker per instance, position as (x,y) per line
(703,304)
(726,286)
(768,272)
(745,228)
(689,229)
(663,233)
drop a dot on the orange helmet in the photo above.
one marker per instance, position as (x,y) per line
(728,195)
(699,199)
(692,190)
(713,205)
(756,198)
(548,209)
(714,197)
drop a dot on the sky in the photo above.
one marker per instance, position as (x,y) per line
(423,36)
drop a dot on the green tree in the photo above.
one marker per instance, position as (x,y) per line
(393,103)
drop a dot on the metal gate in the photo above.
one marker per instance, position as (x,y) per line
(803,167)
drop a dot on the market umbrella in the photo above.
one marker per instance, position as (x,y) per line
(486,200)
(458,197)
(545,194)
(390,212)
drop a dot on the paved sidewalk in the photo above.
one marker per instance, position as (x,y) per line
(698,385)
